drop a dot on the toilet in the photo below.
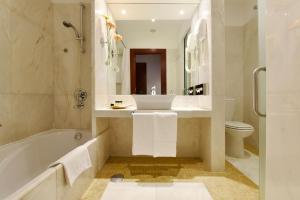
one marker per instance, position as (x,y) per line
(235,131)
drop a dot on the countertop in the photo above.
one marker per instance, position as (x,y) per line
(182,112)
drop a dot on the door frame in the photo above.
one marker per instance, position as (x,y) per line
(163,67)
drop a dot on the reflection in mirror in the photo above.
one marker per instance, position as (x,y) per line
(196,59)
(158,54)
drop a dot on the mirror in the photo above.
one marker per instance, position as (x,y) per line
(160,51)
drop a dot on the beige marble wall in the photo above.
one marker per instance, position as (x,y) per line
(189,135)
(216,141)
(234,37)
(72,69)
(241,60)
(283,99)
(26,68)
(250,63)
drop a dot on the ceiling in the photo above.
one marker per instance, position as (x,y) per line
(145,34)
(158,10)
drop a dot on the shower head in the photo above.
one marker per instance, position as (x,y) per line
(67,24)
(70,25)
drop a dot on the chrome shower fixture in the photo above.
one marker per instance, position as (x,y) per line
(80,96)
(78,35)
(70,25)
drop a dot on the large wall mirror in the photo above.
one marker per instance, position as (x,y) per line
(159,54)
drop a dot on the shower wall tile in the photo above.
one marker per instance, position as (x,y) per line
(6,131)
(72,69)
(31,114)
(26,68)
(5,51)
(37,12)
(32,65)
(65,114)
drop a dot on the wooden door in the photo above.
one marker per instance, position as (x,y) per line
(141,78)
(163,58)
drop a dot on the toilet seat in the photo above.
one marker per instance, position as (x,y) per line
(236,125)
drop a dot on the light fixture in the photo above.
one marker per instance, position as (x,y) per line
(181,12)
(153,20)
(99,12)
(124,12)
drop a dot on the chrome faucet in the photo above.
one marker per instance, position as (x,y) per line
(153,90)
(80,96)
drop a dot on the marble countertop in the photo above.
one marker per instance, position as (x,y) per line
(182,112)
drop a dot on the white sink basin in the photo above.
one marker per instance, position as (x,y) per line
(153,102)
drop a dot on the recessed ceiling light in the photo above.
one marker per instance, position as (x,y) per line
(124,12)
(181,12)
(153,20)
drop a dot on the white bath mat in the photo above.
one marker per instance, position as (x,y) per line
(156,191)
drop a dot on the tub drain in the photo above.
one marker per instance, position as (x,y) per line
(117,178)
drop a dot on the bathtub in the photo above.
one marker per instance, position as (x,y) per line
(24,162)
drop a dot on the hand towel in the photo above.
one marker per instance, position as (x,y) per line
(143,133)
(165,134)
(75,163)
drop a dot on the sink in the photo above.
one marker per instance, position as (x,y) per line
(153,102)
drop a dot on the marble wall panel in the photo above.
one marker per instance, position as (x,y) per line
(250,63)
(234,68)
(72,69)
(26,68)
(189,134)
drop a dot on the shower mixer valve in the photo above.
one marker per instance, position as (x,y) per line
(80,96)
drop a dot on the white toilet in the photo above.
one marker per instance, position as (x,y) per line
(235,131)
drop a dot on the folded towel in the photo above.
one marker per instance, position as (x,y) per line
(143,129)
(165,134)
(155,134)
(74,163)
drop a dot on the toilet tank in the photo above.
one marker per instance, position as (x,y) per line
(229,108)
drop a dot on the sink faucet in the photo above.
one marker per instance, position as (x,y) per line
(153,90)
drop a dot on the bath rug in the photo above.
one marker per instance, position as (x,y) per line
(156,191)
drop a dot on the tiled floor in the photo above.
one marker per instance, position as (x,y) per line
(228,185)
(249,165)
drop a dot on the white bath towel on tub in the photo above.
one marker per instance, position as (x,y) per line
(75,163)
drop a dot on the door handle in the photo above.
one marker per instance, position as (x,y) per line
(255,91)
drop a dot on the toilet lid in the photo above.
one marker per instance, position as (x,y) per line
(238,125)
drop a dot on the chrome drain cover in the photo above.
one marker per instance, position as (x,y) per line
(117,178)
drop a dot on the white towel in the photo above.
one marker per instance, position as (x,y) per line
(74,163)
(143,132)
(155,134)
(165,134)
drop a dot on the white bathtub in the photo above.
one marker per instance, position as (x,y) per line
(23,162)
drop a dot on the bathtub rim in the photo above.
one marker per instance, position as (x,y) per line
(36,181)
(37,135)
